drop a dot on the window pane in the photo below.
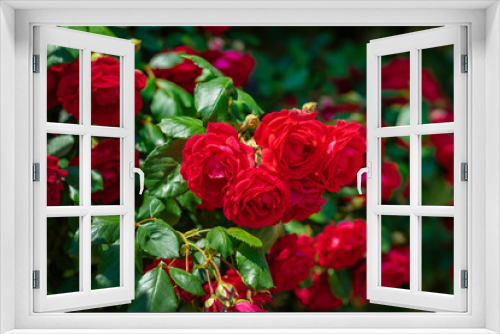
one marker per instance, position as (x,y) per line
(395,170)
(437,254)
(437,84)
(105,109)
(105,156)
(63,84)
(105,252)
(395,246)
(437,169)
(63,250)
(63,170)
(395,80)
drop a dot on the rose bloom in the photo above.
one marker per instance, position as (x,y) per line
(177,263)
(396,76)
(344,155)
(319,296)
(290,260)
(183,74)
(216,30)
(343,245)
(54,181)
(105,91)
(238,66)
(396,267)
(53,76)
(212,160)
(257,197)
(105,158)
(292,141)
(391,179)
(242,291)
(306,199)
(246,306)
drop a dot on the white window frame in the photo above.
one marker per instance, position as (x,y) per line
(86,43)
(483,21)
(414,43)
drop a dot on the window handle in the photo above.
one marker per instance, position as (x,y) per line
(141,175)
(368,172)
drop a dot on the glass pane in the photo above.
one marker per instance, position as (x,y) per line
(105,252)
(105,156)
(63,84)
(395,80)
(395,170)
(63,253)
(105,94)
(437,169)
(437,254)
(63,170)
(437,84)
(395,245)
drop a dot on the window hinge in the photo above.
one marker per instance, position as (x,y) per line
(36,172)
(36,63)
(464,279)
(465,64)
(464,172)
(36,279)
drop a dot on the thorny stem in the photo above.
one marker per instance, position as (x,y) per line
(187,257)
(217,271)
(209,281)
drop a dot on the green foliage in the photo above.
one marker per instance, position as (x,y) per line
(340,283)
(253,266)
(108,275)
(219,240)
(165,60)
(205,65)
(187,281)
(181,127)
(155,293)
(158,239)
(105,229)
(171,100)
(60,146)
(212,99)
(244,236)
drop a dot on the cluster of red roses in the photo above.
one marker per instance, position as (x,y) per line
(301,158)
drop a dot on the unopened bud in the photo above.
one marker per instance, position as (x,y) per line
(251,122)
(309,106)
(137,44)
(212,304)
(225,291)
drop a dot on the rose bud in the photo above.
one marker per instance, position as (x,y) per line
(212,304)
(225,291)
(251,122)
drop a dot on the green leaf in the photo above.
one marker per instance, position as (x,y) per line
(108,270)
(267,235)
(165,60)
(340,283)
(149,137)
(162,176)
(60,146)
(172,212)
(249,102)
(171,100)
(253,266)
(105,229)
(158,239)
(212,99)
(97,182)
(244,236)
(183,127)
(101,31)
(204,64)
(219,240)
(187,281)
(155,293)
(156,207)
(189,201)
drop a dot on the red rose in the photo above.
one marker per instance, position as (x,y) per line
(306,199)
(396,76)
(344,155)
(318,297)
(290,260)
(358,297)
(183,74)
(105,157)
(238,66)
(54,181)
(212,160)
(177,263)
(256,197)
(105,89)
(292,141)
(391,179)
(441,116)
(343,245)
(216,30)
(242,291)
(246,306)
(396,267)
(53,76)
